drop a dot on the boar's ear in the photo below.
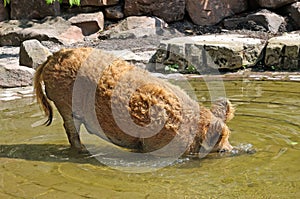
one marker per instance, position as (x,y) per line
(223,109)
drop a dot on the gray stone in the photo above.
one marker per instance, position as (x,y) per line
(3,11)
(95,2)
(282,52)
(274,3)
(171,10)
(33,9)
(11,73)
(211,12)
(114,12)
(207,53)
(15,75)
(33,53)
(57,30)
(89,23)
(136,27)
(262,20)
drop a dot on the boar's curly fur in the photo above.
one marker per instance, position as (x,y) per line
(120,89)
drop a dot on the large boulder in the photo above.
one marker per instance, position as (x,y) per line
(3,11)
(89,23)
(57,30)
(207,53)
(33,9)
(262,20)
(171,10)
(33,53)
(211,12)
(282,52)
(274,3)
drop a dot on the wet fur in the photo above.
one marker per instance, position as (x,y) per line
(205,131)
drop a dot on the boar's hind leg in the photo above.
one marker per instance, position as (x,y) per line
(72,131)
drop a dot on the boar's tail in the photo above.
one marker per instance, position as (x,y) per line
(40,95)
(223,109)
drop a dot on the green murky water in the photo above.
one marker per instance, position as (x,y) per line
(35,161)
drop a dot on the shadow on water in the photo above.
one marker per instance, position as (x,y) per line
(45,153)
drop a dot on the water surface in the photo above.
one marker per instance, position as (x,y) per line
(35,161)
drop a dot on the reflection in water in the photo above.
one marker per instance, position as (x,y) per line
(35,161)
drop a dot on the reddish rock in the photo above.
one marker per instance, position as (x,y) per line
(211,12)
(89,23)
(3,11)
(57,30)
(95,2)
(172,10)
(274,3)
(34,9)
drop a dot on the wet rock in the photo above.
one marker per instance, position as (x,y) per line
(34,9)
(57,30)
(262,20)
(282,52)
(115,12)
(136,27)
(274,3)
(13,75)
(172,10)
(207,53)
(3,11)
(95,2)
(89,23)
(293,11)
(211,12)
(33,53)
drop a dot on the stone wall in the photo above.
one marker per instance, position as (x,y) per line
(200,12)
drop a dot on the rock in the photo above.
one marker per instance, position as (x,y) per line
(169,11)
(57,30)
(211,12)
(89,23)
(33,53)
(207,53)
(293,11)
(139,59)
(115,12)
(95,2)
(136,27)
(262,20)
(282,52)
(34,9)
(3,11)
(11,73)
(15,76)
(274,3)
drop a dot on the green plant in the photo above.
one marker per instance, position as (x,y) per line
(71,2)
(171,68)
(191,69)
(6,2)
